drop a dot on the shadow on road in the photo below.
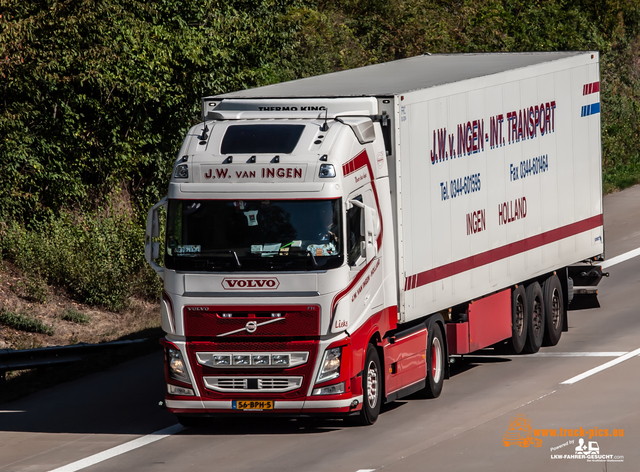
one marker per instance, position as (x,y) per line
(124,400)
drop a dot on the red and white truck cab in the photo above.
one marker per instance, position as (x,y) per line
(329,242)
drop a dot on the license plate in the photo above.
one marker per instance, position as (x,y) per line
(253,405)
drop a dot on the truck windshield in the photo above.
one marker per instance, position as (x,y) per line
(247,235)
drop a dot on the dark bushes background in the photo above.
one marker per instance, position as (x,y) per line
(96,95)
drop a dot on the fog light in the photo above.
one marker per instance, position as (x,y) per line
(330,390)
(260,360)
(280,359)
(241,360)
(175,390)
(221,360)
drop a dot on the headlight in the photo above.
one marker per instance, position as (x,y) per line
(330,365)
(177,367)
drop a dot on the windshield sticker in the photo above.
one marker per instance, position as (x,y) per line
(252,217)
(256,248)
(328,249)
(189,249)
(271,249)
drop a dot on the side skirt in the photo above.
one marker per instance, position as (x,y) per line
(406,391)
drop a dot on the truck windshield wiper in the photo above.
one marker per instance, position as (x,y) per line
(237,260)
(313,257)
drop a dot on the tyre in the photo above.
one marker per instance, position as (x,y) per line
(553,309)
(435,362)
(518,320)
(371,388)
(535,317)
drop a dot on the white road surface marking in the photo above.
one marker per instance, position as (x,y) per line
(549,354)
(602,367)
(621,258)
(121,449)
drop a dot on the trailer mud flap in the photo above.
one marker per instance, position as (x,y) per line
(582,290)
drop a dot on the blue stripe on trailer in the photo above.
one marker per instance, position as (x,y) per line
(590,109)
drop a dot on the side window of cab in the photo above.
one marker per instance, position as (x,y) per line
(355,235)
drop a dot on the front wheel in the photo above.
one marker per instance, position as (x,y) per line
(371,388)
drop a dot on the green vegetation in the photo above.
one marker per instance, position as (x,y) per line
(96,96)
(24,323)
(74,316)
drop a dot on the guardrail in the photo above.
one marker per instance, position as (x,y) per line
(42,357)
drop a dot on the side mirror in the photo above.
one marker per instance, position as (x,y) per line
(151,247)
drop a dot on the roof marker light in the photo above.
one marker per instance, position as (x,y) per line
(327,171)
(182,171)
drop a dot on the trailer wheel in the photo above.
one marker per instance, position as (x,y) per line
(536,318)
(435,363)
(554,310)
(371,388)
(518,319)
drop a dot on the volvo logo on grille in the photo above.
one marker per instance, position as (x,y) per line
(198,308)
(270,283)
(251,327)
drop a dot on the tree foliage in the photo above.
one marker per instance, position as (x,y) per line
(96,95)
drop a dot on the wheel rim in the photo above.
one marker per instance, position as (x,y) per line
(555,309)
(436,360)
(372,384)
(537,317)
(519,316)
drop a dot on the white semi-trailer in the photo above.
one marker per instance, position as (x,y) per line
(332,241)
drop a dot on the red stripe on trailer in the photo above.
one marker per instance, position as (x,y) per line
(588,89)
(513,249)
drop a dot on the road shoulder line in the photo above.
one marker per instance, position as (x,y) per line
(600,368)
(121,449)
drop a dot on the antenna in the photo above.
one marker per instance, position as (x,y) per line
(325,127)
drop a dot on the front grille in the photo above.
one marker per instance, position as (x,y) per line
(200,352)
(252,384)
(223,322)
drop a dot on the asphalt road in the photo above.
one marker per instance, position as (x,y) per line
(111,421)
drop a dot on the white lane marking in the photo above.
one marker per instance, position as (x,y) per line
(121,449)
(604,366)
(365,470)
(621,258)
(549,354)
